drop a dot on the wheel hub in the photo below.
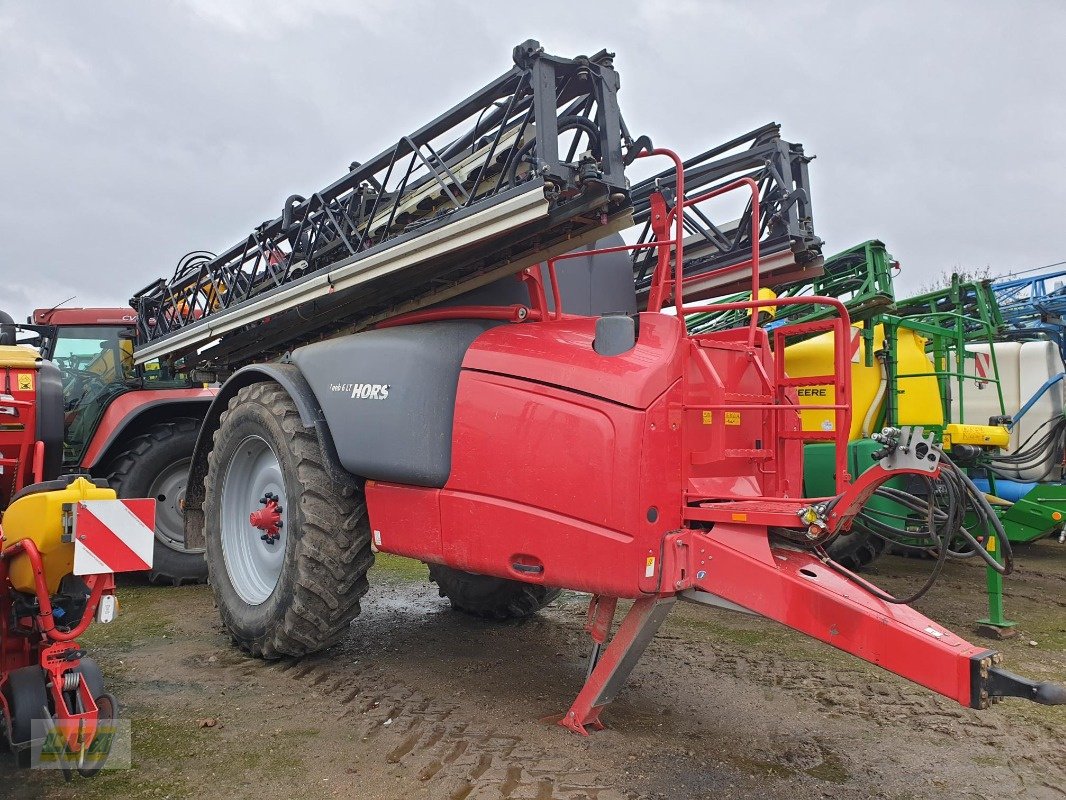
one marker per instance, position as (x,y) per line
(268,518)
(168,488)
(250,540)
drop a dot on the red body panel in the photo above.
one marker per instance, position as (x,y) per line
(84,316)
(405,520)
(550,479)
(578,487)
(127,406)
(20,452)
(549,485)
(561,354)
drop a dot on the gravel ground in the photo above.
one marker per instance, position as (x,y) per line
(421,701)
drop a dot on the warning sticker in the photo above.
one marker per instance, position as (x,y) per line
(649,567)
(732,418)
(708,417)
(25,381)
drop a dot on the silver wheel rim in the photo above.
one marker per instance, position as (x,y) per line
(168,489)
(253,566)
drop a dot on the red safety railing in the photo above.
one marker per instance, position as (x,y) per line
(779,384)
(668,282)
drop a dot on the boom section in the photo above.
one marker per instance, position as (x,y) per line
(530,165)
(718,238)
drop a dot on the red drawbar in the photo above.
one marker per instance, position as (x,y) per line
(736,563)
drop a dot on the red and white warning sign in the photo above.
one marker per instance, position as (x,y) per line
(856,340)
(983,367)
(113,536)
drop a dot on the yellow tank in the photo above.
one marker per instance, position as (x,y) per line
(18,357)
(39,517)
(918,399)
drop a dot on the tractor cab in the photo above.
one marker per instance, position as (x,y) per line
(96,367)
(93,349)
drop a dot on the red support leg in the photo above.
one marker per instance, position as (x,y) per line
(598,625)
(614,666)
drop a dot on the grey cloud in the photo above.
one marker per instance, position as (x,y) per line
(134,132)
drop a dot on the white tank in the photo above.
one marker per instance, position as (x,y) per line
(1023,368)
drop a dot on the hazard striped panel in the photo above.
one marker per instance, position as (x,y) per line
(113,536)
(856,340)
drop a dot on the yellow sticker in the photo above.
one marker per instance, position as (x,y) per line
(732,418)
(991,546)
(649,567)
(25,381)
(708,417)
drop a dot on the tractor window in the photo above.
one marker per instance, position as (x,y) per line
(96,350)
(97,366)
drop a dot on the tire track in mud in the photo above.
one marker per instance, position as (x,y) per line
(454,755)
(449,751)
(843,691)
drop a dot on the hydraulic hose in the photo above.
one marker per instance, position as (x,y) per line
(945,523)
(1030,455)
(871,412)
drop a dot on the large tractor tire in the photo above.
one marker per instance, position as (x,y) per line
(297,593)
(488,597)
(156,464)
(857,550)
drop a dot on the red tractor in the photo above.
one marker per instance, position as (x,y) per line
(134,427)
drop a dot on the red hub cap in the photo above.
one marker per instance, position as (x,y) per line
(268,518)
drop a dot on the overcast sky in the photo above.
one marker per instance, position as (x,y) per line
(133,132)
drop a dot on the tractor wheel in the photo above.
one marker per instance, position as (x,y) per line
(27,699)
(488,597)
(296,589)
(156,464)
(856,550)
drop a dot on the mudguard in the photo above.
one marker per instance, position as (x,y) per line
(286,374)
(388,397)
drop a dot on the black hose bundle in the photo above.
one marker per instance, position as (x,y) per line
(944,532)
(1049,447)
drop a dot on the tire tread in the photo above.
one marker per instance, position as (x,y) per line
(488,597)
(124,466)
(331,560)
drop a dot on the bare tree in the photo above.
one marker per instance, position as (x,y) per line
(942,280)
